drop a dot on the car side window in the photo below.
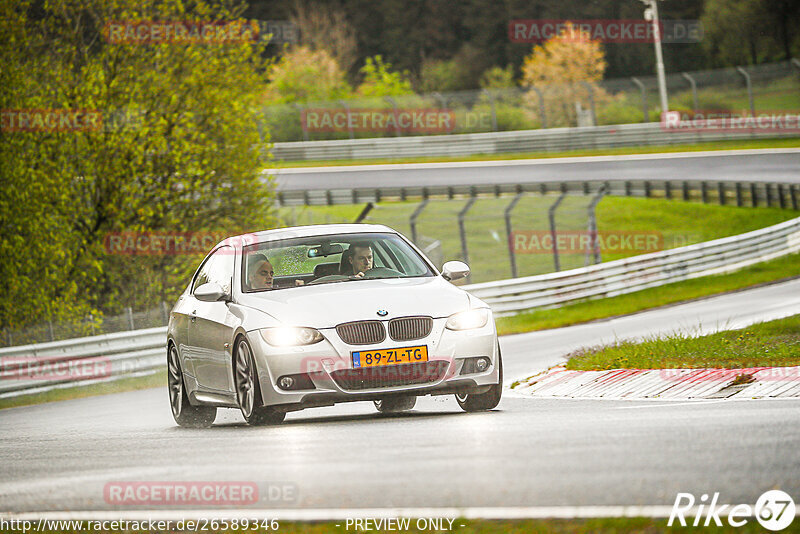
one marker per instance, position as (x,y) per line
(217,268)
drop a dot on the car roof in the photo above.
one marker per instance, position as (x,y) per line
(306,231)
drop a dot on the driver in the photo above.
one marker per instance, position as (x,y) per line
(360,258)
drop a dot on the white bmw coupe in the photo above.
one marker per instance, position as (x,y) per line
(295,318)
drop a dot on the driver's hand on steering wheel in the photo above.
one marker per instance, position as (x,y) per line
(359,275)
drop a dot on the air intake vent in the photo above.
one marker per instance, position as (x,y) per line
(408,328)
(361,332)
(404,374)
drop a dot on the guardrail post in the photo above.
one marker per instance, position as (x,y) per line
(694,89)
(747,80)
(768,188)
(551,216)
(364,212)
(721,193)
(393,102)
(164,312)
(685,187)
(668,189)
(647,189)
(494,112)
(413,220)
(594,247)
(50,330)
(793,189)
(509,234)
(641,87)
(627,188)
(542,112)
(704,191)
(753,194)
(462,231)
(346,107)
(739,201)
(302,122)
(591,101)
(781,196)
(129,313)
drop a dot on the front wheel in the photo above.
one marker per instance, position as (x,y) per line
(184,413)
(470,402)
(395,404)
(248,392)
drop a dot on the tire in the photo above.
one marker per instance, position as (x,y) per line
(395,404)
(471,402)
(248,392)
(184,413)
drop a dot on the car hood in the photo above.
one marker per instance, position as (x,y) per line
(326,305)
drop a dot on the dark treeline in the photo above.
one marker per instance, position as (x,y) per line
(467,37)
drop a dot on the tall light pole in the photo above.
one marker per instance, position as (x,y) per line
(651,14)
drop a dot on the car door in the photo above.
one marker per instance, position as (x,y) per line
(211,326)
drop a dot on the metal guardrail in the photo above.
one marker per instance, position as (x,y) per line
(542,140)
(740,194)
(141,352)
(640,272)
(46,366)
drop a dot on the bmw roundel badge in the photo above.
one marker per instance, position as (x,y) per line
(383,313)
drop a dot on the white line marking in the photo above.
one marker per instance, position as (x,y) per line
(334,514)
(540,161)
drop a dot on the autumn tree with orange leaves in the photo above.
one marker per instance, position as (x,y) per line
(566,68)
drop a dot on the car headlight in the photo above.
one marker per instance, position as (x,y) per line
(468,319)
(290,336)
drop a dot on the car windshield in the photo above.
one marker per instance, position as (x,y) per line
(328,259)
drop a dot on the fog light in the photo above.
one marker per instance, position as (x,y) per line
(286,382)
(482,364)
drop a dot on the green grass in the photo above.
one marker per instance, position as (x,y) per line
(581,312)
(716,145)
(536,526)
(769,344)
(679,223)
(102,388)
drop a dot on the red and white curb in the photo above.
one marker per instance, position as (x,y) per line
(669,384)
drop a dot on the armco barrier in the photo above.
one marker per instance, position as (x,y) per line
(640,272)
(126,354)
(542,140)
(141,352)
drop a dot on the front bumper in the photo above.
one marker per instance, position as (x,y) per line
(329,366)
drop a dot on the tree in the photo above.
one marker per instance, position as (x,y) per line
(379,80)
(306,75)
(174,147)
(325,27)
(564,68)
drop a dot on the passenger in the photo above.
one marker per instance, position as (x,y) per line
(259,272)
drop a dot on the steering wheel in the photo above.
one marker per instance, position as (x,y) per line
(329,278)
(382,272)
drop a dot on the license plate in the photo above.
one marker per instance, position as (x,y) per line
(375,358)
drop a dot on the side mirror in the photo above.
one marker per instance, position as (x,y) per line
(210,292)
(454,270)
